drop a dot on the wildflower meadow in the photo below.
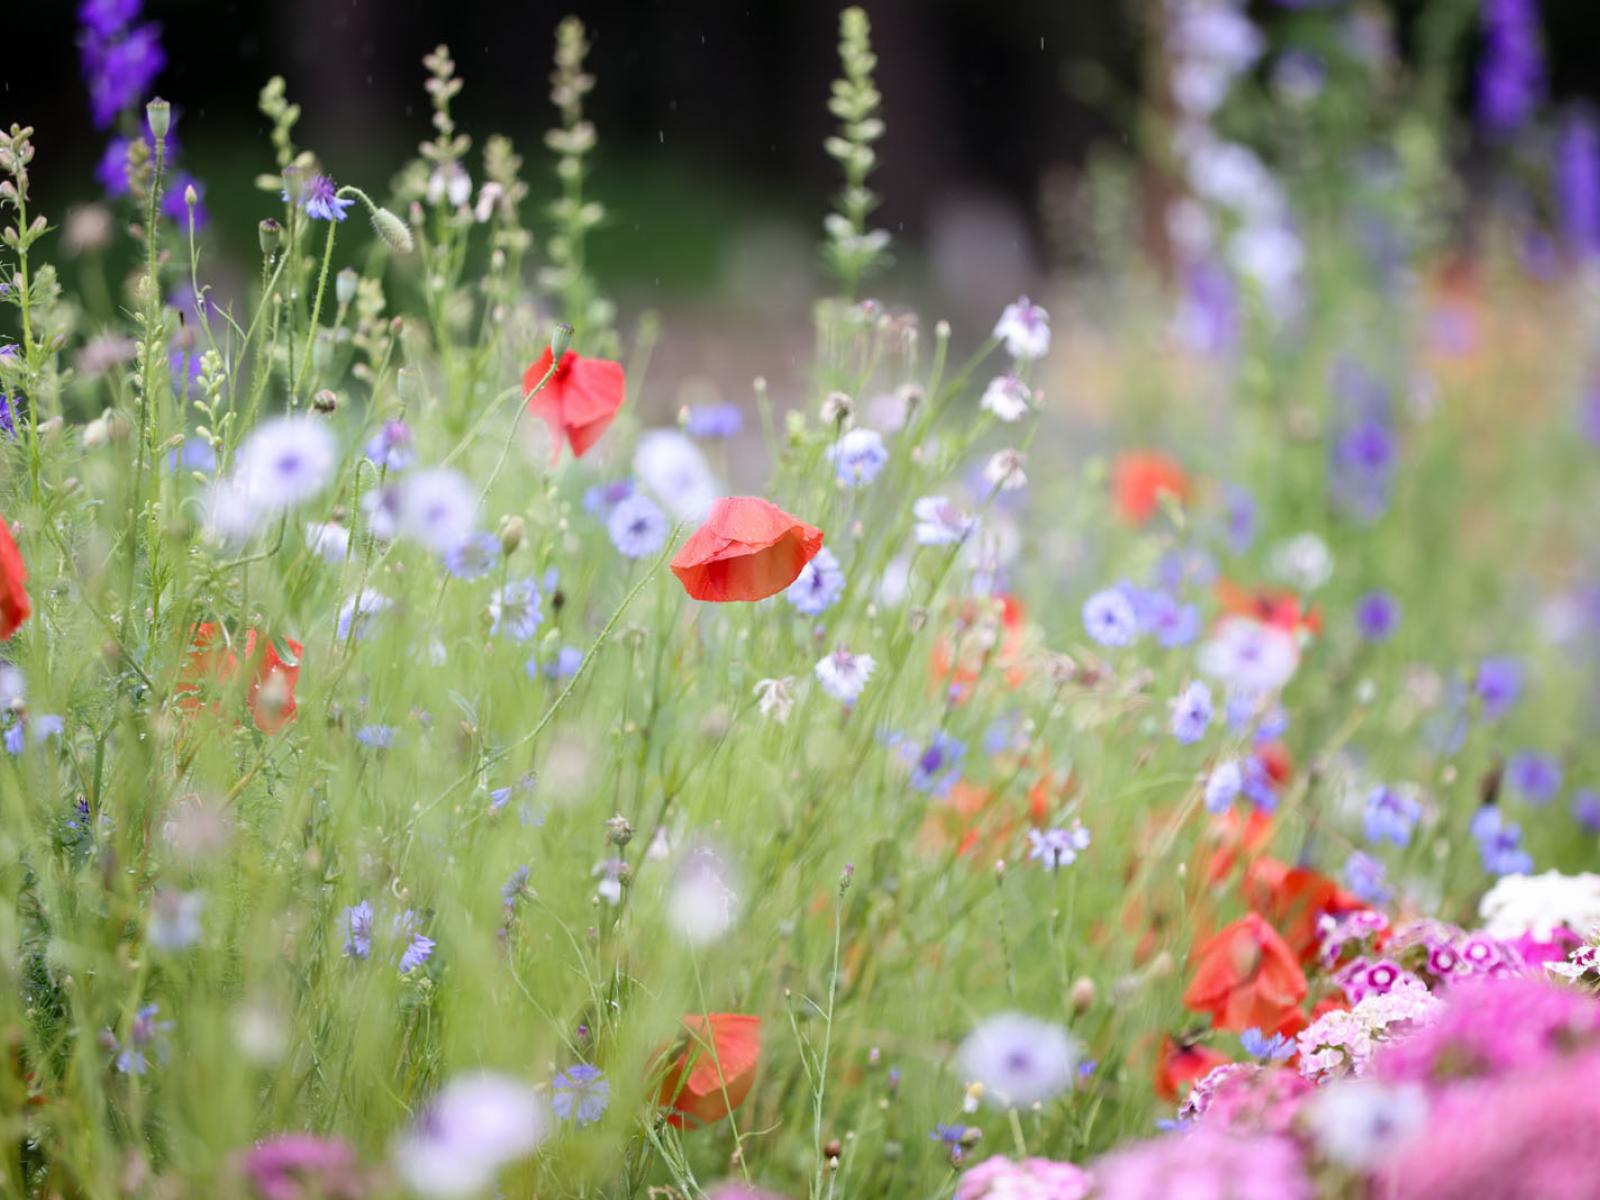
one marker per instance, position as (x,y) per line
(1142,745)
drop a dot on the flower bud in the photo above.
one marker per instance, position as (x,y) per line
(1081,997)
(619,832)
(158,113)
(271,234)
(512,529)
(190,196)
(344,285)
(325,401)
(560,340)
(392,230)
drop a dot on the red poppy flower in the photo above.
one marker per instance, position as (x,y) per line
(1231,836)
(747,549)
(272,683)
(1271,606)
(979,640)
(711,1072)
(1179,1066)
(1139,479)
(1295,900)
(578,402)
(15,607)
(1246,977)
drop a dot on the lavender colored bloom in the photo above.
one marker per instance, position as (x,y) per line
(319,199)
(8,420)
(1223,786)
(1498,684)
(112,168)
(1057,847)
(358,927)
(1586,810)
(438,508)
(600,499)
(286,461)
(1511,73)
(418,948)
(357,613)
(1258,785)
(302,1166)
(1024,327)
(391,446)
(818,586)
(1578,181)
(175,201)
(1208,318)
(107,18)
(1391,816)
(580,1093)
(145,1035)
(1109,618)
(377,737)
(563,666)
(1364,875)
(120,62)
(857,457)
(843,675)
(1258,1045)
(935,768)
(941,523)
(195,454)
(1535,777)
(514,886)
(474,556)
(175,919)
(515,607)
(1377,615)
(637,527)
(1191,713)
(1500,843)
(713,421)
(1174,624)
(1363,468)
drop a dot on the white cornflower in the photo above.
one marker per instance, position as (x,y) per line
(1250,657)
(702,902)
(1359,1123)
(437,508)
(1024,327)
(285,462)
(329,539)
(1019,1060)
(1004,472)
(940,522)
(674,470)
(473,1126)
(843,674)
(775,698)
(1006,397)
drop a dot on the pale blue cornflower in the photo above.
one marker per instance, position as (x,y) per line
(941,523)
(1498,684)
(1258,1045)
(145,1034)
(1500,843)
(391,446)
(818,586)
(857,457)
(843,675)
(934,768)
(1024,327)
(438,508)
(474,556)
(357,613)
(1223,786)
(1057,847)
(1391,816)
(1109,618)
(377,737)
(358,927)
(580,1094)
(175,919)
(515,607)
(564,665)
(637,527)
(320,200)
(1364,876)
(284,462)
(714,422)
(1533,776)
(1191,713)
(418,948)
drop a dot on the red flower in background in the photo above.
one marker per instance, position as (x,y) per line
(979,640)
(213,664)
(711,1073)
(1138,479)
(1183,1065)
(748,549)
(1271,606)
(15,607)
(578,402)
(1246,977)
(1294,900)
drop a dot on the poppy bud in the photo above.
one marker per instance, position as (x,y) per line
(344,285)
(271,235)
(1081,997)
(190,196)
(619,832)
(158,113)
(512,529)
(325,401)
(560,340)
(392,230)
(832,1150)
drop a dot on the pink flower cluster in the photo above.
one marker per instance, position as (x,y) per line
(999,1178)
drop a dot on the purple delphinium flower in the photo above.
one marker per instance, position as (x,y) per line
(111,171)
(1586,810)
(1057,847)
(637,527)
(1511,73)
(818,586)
(1578,181)
(1191,713)
(713,421)
(1109,618)
(120,60)
(358,930)
(474,556)
(1533,776)
(391,446)
(1498,684)
(319,199)
(1391,816)
(1364,876)
(580,1094)
(515,608)
(1377,616)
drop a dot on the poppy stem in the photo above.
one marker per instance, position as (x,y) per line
(516,418)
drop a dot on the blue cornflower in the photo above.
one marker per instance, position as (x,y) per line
(602,497)
(713,421)
(358,924)
(637,527)
(563,666)
(516,608)
(175,201)
(1535,777)
(1191,713)
(1109,618)
(391,446)
(418,947)
(1240,517)
(1258,787)
(474,556)
(514,886)
(1500,843)
(1174,624)
(379,737)
(1257,1045)
(857,457)
(1586,810)
(357,613)
(1364,875)
(195,454)
(320,200)
(581,1093)
(1497,685)
(818,586)
(950,1137)
(1377,616)
(936,767)
(1057,847)
(1223,786)
(145,1033)
(1391,816)
(8,420)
